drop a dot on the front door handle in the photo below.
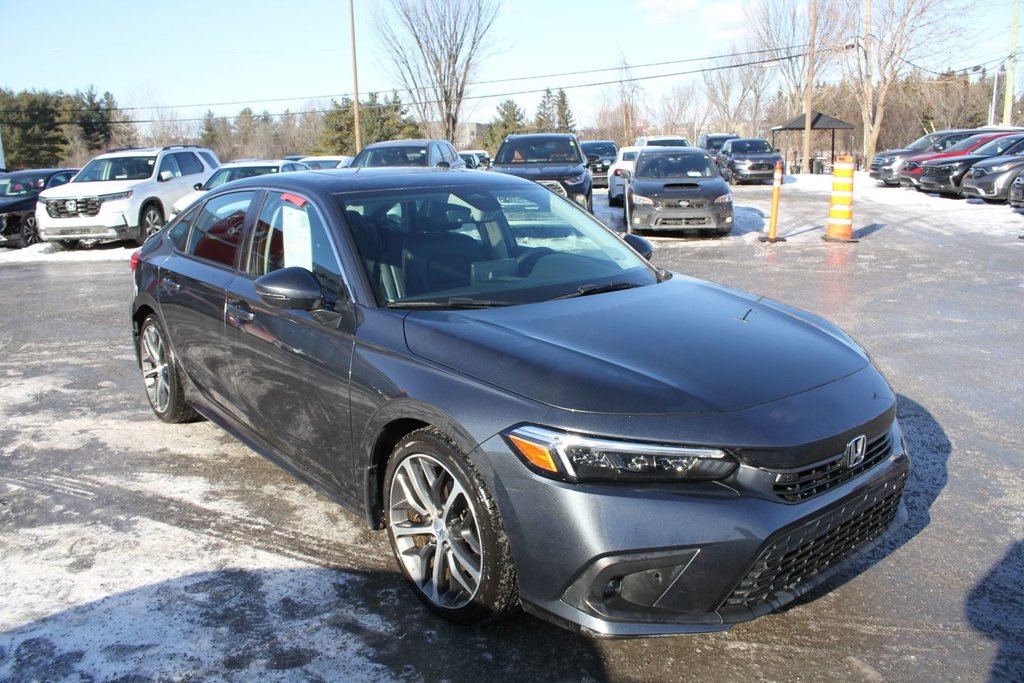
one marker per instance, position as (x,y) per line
(170,284)
(239,313)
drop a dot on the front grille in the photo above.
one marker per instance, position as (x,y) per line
(84,206)
(801,554)
(762,167)
(682,204)
(703,220)
(936,172)
(554,186)
(822,476)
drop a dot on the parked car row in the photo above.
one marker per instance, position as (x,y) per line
(976,162)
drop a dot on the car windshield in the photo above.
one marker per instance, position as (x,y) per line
(226,175)
(539,151)
(392,155)
(22,184)
(476,246)
(601,149)
(751,147)
(322,163)
(661,165)
(999,145)
(715,144)
(924,142)
(116,168)
(668,142)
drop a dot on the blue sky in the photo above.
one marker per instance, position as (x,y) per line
(226,54)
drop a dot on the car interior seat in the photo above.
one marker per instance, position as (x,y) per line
(435,258)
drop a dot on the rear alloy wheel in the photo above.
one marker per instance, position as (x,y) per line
(160,375)
(446,532)
(29,232)
(150,221)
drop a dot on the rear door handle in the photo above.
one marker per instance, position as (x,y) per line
(170,284)
(239,313)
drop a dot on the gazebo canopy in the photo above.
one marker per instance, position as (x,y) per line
(819,121)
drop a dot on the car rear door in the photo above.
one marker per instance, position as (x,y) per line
(290,368)
(191,289)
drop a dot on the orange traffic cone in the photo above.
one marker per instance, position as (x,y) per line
(840,208)
(773,220)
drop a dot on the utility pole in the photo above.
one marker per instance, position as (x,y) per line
(355,78)
(1008,82)
(809,95)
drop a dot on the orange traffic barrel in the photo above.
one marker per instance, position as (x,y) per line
(773,220)
(840,207)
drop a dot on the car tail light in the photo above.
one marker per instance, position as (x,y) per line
(135,259)
(618,171)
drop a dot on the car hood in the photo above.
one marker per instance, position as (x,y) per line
(988,162)
(95,189)
(661,188)
(762,156)
(891,152)
(540,171)
(17,203)
(682,346)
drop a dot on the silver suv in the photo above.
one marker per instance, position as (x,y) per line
(123,194)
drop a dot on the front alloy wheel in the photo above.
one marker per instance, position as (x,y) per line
(29,231)
(150,222)
(445,531)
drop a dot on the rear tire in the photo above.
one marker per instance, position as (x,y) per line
(161,375)
(445,531)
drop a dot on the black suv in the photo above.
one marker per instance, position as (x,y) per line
(554,160)
(19,192)
(712,143)
(605,151)
(743,159)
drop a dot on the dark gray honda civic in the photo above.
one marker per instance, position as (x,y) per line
(534,413)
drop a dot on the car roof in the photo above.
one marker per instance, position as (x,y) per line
(257,162)
(583,142)
(747,140)
(537,136)
(402,143)
(36,171)
(647,150)
(335,180)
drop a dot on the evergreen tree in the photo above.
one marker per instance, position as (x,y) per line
(509,118)
(208,134)
(33,135)
(564,120)
(379,119)
(544,121)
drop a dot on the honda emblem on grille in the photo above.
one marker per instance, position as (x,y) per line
(684,202)
(71,206)
(855,450)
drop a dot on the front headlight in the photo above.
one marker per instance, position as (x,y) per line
(724,199)
(643,201)
(576,179)
(115,197)
(1000,168)
(578,458)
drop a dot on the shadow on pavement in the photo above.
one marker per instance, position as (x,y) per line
(306,624)
(861,233)
(994,607)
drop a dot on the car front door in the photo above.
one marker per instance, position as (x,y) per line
(290,368)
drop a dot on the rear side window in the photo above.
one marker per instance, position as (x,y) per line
(188,163)
(210,160)
(217,230)
(179,233)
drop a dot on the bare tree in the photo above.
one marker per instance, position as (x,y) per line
(890,34)
(781,28)
(736,88)
(433,46)
(630,102)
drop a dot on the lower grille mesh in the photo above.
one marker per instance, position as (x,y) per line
(801,554)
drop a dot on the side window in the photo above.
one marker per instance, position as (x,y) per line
(188,163)
(435,155)
(449,153)
(290,232)
(179,233)
(169,163)
(217,230)
(60,179)
(210,160)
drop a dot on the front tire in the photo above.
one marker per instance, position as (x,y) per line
(29,232)
(446,533)
(161,376)
(151,219)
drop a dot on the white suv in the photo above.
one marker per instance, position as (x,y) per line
(124,194)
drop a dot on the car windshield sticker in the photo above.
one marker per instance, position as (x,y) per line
(298,250)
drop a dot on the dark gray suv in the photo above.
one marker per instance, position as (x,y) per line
(534,413)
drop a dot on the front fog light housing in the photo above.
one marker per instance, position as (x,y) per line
(573,457)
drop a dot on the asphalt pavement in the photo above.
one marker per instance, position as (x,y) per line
(136,550)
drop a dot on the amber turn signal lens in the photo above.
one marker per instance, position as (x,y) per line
(535,453)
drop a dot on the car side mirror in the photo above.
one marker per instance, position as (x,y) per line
(776,150)
(293,288)
(593,158)
(639,244)
(197,186)
(165,176)
(443,164)
(625,174)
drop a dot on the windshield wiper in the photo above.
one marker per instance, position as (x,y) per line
(452,303)
(596,288)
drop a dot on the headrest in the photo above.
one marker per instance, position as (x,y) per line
(440,216)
